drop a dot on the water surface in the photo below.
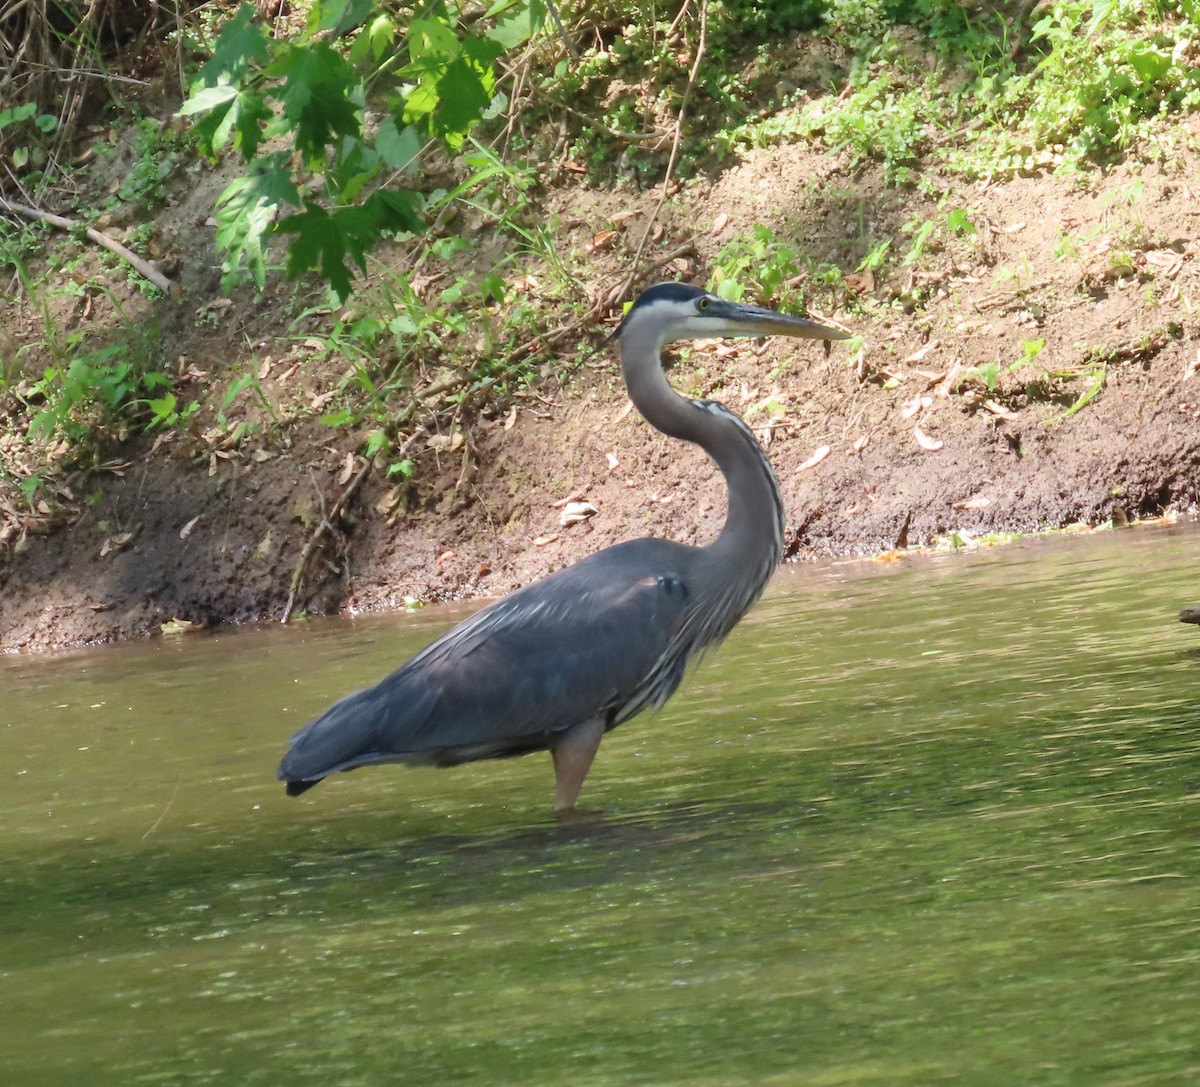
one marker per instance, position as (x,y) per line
(922,823)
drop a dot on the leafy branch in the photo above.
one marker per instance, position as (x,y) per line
(328,122)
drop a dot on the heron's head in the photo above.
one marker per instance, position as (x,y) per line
(677,311)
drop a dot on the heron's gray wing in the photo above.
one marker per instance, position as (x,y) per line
(587,642)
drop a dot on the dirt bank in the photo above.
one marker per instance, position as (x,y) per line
(965,409)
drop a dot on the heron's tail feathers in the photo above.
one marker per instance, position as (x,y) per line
(343,737)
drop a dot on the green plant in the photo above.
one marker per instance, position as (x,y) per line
(28,152)
(758,264)
(431,77)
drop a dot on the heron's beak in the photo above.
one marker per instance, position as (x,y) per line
(736,319)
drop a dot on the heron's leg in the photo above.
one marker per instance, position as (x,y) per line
(573,756)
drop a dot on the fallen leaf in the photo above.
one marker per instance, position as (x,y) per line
(926,442)
(601,241)
(861,443)
(915,406)
(444,557)
(818,455)
(973,503)
(999,409)
(575,512)
(186,531)
(116,543)
(612,460)
(719,223)
(542,541)
(860,282)
(388,502)
(623,412)
(510,419)
(347,470)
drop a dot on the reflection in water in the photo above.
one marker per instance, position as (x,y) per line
(927,823)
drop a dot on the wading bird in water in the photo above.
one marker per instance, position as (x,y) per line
(557,664)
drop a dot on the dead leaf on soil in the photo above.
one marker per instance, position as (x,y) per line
(926,442)
(977,503)
(860,282)
(861,443)
(601,241)
(921,352)
(186,531)
(623,412)
(117,543)
(818,455)
(575,512)
(347,470)
(542,541)
(999,409)
(915,406)
(612,460)
(442,442)
(510,419)
(1192,367)
(1166,261)
(950,382)
(1013,229)
(563,503)
(719,223)
(445,557)
(388,502)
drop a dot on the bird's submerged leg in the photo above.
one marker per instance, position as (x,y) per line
(573,756)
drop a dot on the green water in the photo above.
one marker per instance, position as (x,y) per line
(929,823)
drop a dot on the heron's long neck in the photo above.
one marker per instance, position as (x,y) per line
(752,539)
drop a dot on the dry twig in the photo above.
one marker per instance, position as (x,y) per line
(142,267)
(326,525)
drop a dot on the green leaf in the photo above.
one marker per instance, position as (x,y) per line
(163,408)
(337,418)
(317,98)
(16,114)
(520,25)
(378,440)
(398,146)
(322,241)
(246,212)
(47,122)
(464,97)
(203,99)
(396,209)
(1149,64)
(240,46)
(339,16)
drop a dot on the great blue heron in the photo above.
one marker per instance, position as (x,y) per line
(557,664)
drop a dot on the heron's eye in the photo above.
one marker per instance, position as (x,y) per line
(702,304)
